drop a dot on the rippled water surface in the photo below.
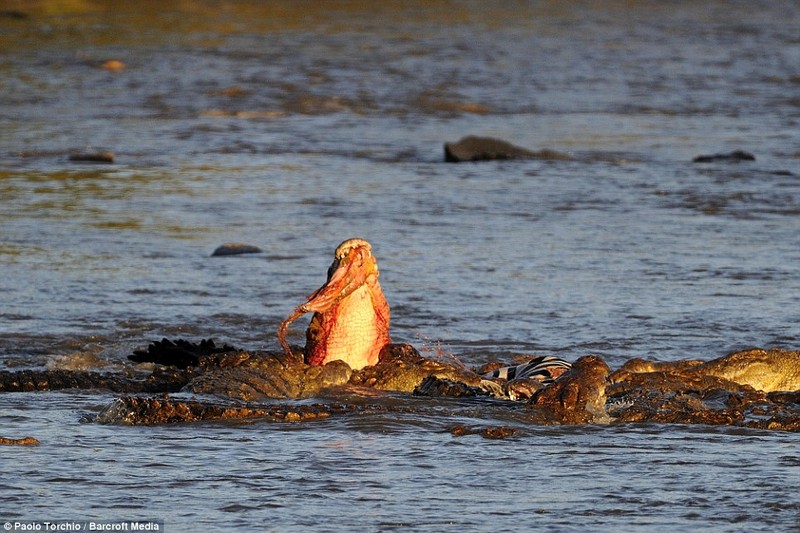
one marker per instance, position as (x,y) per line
(292,127)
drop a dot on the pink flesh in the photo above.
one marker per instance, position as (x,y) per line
(351,315)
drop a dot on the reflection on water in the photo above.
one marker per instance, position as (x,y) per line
(292,128)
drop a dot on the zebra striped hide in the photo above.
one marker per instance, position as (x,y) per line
(545,369)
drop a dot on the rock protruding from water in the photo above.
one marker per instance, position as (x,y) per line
(236,248)
(732,157)
(472,148)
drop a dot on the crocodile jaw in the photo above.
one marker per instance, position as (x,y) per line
(351,315)
(353,331)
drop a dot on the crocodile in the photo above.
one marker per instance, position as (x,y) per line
(638,392)
(765,370)
(349,353)
(588,393)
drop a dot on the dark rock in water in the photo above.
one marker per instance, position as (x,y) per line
(734,157)
(473,148)
(236,248)
(14,14)
(92,157)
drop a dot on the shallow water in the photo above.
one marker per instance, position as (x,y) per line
(293,129)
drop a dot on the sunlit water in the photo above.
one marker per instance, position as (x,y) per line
(294,129)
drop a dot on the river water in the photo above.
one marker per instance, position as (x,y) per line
(293,126)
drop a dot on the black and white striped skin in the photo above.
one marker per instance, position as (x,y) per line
(545,369)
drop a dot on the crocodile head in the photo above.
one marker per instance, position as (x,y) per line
(351,315)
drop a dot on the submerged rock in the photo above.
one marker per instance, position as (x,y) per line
(92,157)
(14,14)
(472,148)
(235,248)
(734,157)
